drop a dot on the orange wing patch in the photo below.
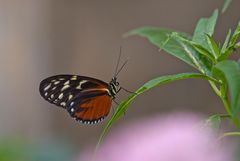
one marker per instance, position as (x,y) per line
(94,110)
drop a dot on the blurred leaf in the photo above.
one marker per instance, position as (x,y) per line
(229,71)
(19,150)
(226,5)
(122,108)
(237,45)
(213,46)
(170,42)
(51,151)
(10,151)
(224,47)
(235,36)
(214,121)
(205,26)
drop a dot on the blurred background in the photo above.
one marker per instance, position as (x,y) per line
(48,37)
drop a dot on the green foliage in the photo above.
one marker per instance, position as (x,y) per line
(175,44)
(12,149)
(225,45)
(202,52)
(230,46)
(213,46)
(164,39)
(235,36)
(226,5)
(205,26)
(229,71)
(214,121)
(122,108)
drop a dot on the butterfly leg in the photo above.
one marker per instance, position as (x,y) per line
(126,90)
(115,101)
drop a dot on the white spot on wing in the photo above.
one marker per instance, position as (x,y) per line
(65,87)
(47,87)
(56,82)
(60,96)
(80,84)
(63,103)
(72,103)
(46,94)
(70,96)
(72,109)
(66,83)
(74,77)
(52,95)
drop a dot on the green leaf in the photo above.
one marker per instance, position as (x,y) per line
(215,120)
(226,5)
(227,51)
(203,51)
(226,54)
(213,46)
(163,39)
(122,108)
(237,45)
(224,47)
(235,36)
(170,42)
(229,71)
(205,26)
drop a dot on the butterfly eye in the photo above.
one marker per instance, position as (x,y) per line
(117,83)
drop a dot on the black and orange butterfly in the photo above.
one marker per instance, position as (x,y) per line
(86,99)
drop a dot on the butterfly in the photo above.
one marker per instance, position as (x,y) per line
(86,99)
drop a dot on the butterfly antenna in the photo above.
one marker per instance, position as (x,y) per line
(119,56)
(121,67)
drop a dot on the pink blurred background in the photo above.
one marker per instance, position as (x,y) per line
(43,38)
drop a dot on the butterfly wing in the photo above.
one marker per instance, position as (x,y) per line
(92,110)
(86,99)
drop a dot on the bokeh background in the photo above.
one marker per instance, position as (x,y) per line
(43,38)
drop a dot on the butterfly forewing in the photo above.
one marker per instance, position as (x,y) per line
(86,99)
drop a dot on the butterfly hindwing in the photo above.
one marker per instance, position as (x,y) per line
(90,108)
(80,95)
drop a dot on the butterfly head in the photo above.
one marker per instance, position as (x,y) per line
(114,86)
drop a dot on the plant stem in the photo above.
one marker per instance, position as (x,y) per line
(214,87)
(227,105)
(229,134)
(222,93)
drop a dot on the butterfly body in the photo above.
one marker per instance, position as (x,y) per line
(86,99)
